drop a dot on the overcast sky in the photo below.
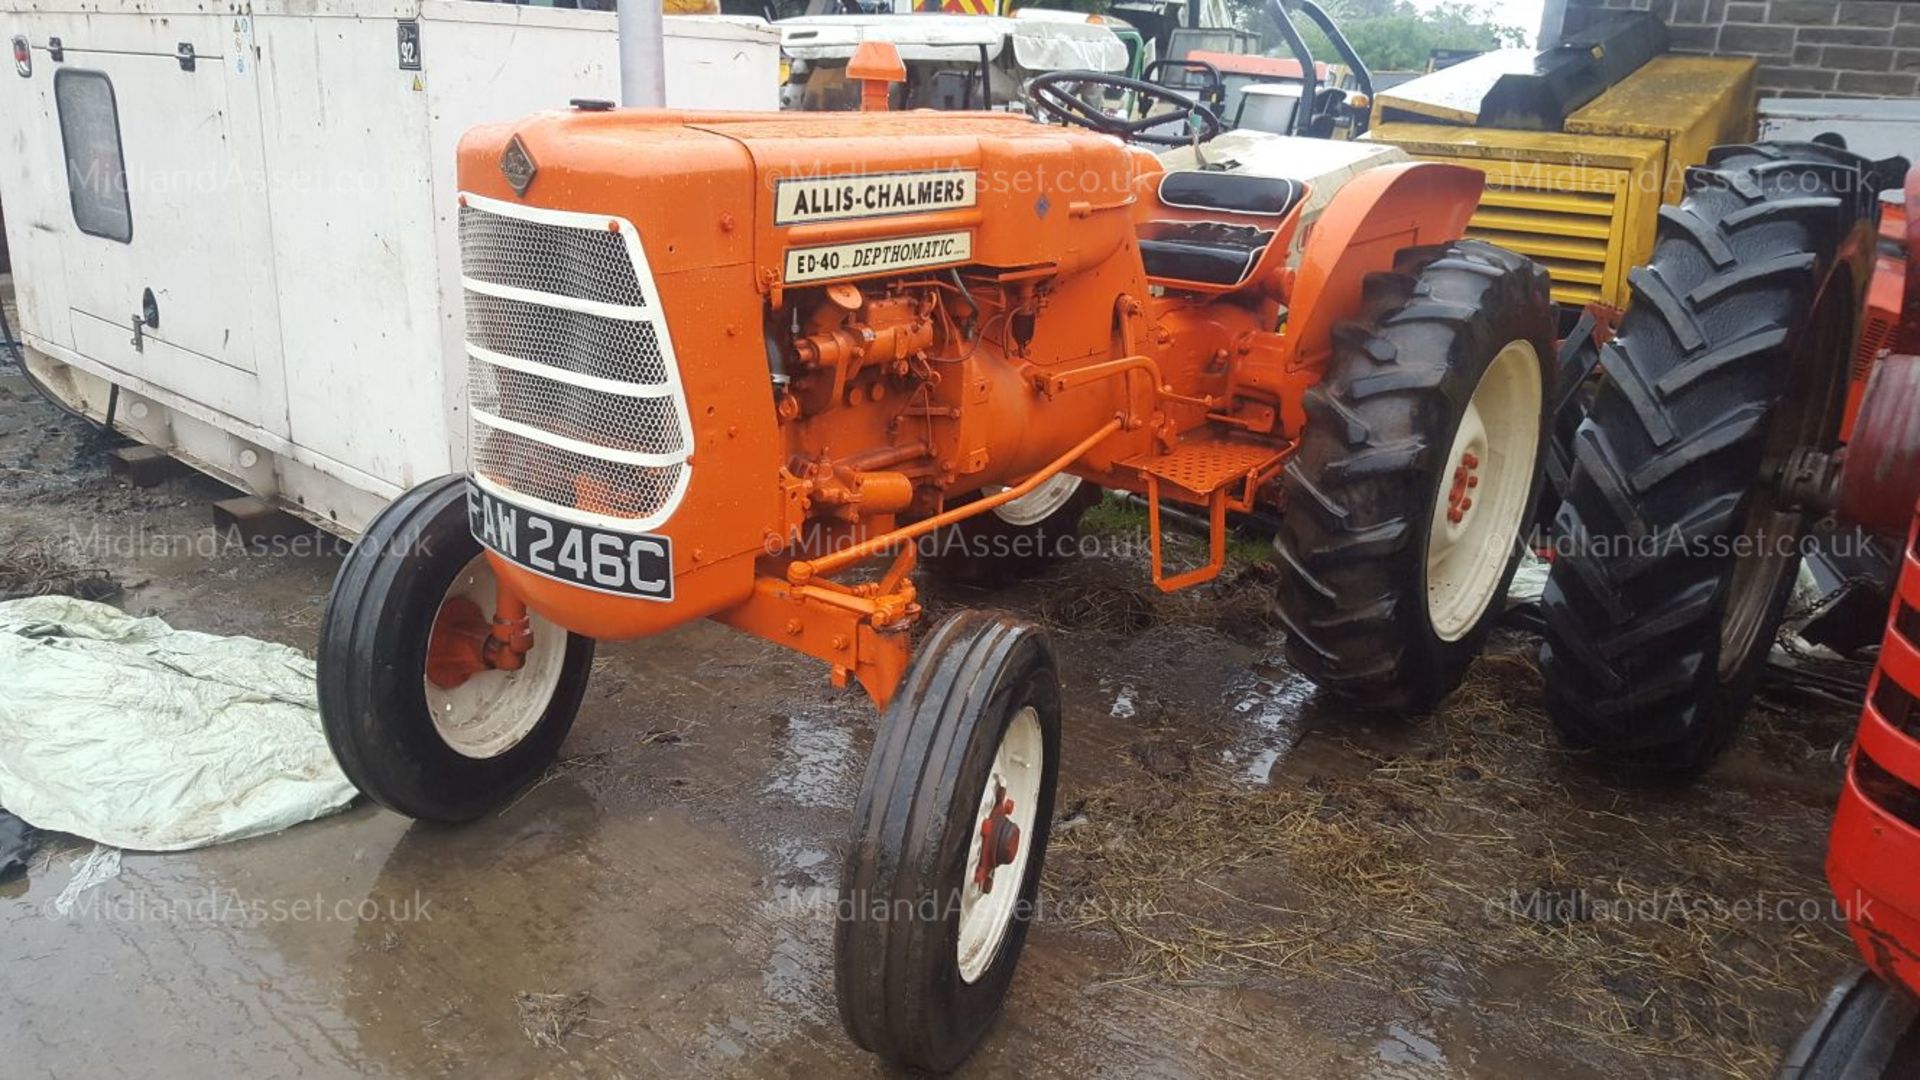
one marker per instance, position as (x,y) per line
(1522,13)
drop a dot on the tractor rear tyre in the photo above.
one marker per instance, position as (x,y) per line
(415,747)
(1416,475)
(949,834)
(1678,542)
(1014,541)
(1865,1031)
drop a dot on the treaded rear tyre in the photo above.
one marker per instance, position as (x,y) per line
(1362,492)
(1733,353)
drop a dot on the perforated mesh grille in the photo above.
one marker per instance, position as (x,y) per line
(582,263)
(644,424)
(568,264)
(565,478)
(558,337)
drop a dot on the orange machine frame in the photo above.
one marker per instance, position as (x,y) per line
(1097,369)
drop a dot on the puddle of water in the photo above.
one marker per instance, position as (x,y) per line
(1408,1052)
(798,914)
(1268,700)
(814,760)
(1272,703)
(91,870)
(1260,769)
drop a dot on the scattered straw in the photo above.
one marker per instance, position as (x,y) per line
(1644,923)
(549,1018)
(38,567)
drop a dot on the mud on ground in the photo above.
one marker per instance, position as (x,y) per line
(1246,880)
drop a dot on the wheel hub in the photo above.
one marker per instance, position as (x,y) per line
(1466,477)
(1003,834)
(999,840)
(488,679)
(465,642)
(457,651)
(1479,506)
(1810,480)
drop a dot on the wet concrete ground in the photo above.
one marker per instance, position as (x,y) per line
(1249,881)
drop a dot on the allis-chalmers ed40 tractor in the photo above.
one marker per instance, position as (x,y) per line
(740,367)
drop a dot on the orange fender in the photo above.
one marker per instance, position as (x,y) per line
(1373,216)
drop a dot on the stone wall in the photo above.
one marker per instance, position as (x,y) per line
(1806,48)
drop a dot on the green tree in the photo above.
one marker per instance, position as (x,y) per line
(1391,35)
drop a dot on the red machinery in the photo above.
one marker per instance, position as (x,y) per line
(1870,1025)
(1882,426)
(1876,832)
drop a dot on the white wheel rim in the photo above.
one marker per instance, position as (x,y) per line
(1039,504)
(985,916)
(491,712)
(1482,496)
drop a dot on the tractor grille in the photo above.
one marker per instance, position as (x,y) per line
(573,398)
(1876,337)
(1568,232)
(580,262)
(586,344)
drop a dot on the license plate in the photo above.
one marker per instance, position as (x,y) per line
(629,564)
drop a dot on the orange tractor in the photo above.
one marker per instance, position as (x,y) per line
(743,367)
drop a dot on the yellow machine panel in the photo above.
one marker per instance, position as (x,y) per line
(1581,205)
(1584,201)
(1691,103)
(1451,95)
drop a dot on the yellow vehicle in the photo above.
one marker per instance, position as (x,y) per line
(1581,145)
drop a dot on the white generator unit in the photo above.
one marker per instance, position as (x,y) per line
(235,226)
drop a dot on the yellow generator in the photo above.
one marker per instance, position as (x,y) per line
(1581,144)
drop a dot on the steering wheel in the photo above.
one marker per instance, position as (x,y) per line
(1049,95)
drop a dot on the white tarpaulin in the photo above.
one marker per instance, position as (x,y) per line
(131,733)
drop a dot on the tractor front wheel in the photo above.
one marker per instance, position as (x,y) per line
(949,834)
(1416,474)
(416,729)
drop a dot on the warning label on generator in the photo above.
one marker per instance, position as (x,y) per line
(842,198)
(877,256)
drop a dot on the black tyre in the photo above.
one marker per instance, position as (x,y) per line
(1014,542)
(1865,1031)
(1676,548)
(415,747)
(929,930)
(1394,553)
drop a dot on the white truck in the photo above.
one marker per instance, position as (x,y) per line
(234,225)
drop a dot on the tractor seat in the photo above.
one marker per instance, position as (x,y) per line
(1210,252)
(1236,193)
(1215,252)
